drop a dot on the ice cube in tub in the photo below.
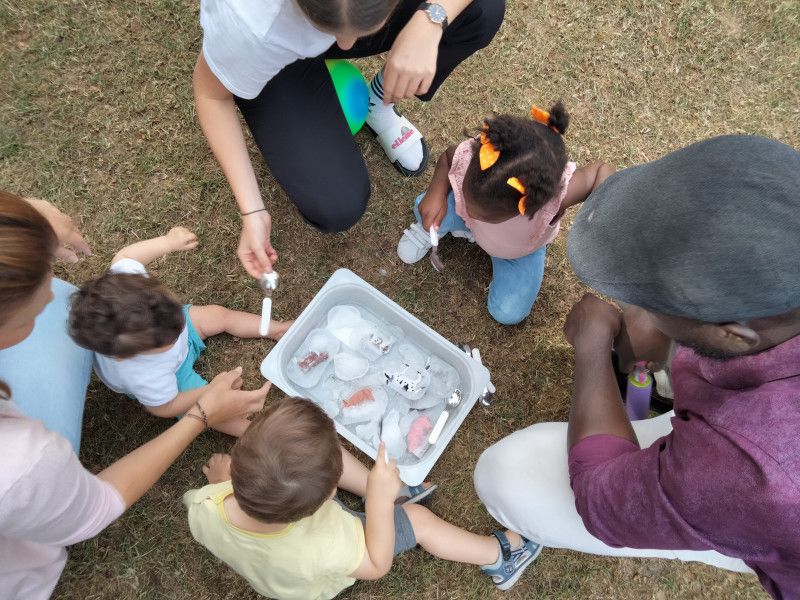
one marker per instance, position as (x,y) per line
(371,379)
(348,366)
(418,436)
(364,404)
(369,432)
(409,381)
(408,419)
(330,406)
(375,341)
(343,315)
(412,356)
(444,378)
(342,321)
(362,332)
(429,400)
(392,436)
(308,364)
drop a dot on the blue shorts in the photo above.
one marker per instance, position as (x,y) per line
(188,378)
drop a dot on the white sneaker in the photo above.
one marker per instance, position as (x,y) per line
(414,244)
(664,384)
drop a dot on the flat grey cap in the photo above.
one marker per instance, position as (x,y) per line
(708,232)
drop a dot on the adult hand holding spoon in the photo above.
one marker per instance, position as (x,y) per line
(268,282)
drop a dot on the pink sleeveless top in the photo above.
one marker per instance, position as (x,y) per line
(518,236)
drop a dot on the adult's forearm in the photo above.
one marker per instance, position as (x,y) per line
(134,474)
(597,407)
(454,7)
(221,127)
(220,123)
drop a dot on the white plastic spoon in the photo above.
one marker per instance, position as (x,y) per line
(452,403)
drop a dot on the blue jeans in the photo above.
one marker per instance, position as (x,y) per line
(515,282)
(47,372)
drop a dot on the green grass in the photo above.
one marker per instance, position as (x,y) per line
(96,114)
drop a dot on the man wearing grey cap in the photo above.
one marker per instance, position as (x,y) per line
(702,250)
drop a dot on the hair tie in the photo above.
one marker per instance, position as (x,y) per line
(540,115)
(517,185)
(488,154)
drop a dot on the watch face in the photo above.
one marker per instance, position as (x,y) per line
(437,13)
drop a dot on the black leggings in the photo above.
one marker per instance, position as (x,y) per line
(300,129)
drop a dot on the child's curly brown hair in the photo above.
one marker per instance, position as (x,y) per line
(531,151)
(124,314)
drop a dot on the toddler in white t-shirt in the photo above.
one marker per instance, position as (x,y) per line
(145,341)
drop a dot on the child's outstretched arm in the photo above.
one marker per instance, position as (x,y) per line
(145,252)
(382,488)
(178,405)
(584,181)
(433,207)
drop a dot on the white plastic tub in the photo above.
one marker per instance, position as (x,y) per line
(345,287)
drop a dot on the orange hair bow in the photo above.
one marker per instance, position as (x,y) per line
(488,154)
(517,185)
(540,115)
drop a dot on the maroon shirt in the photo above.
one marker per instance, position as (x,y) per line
(727,478)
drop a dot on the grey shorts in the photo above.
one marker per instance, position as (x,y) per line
(404,538)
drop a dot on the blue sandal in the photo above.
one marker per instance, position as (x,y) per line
(511,563)
(419,494)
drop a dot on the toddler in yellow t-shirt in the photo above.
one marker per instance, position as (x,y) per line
(271,513)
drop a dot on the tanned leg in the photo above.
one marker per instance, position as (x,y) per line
(445,540)
(213,319)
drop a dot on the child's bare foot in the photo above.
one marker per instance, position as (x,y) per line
(278,328)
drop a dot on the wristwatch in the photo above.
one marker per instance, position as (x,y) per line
(436,13)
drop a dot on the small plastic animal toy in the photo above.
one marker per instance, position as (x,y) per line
(311,360)
(409,382)
(360,397)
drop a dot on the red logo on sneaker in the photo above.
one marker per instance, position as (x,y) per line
(405,133)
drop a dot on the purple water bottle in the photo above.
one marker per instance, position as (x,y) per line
(637,396)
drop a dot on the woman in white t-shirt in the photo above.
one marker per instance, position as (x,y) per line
(47,499)
(268,58)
